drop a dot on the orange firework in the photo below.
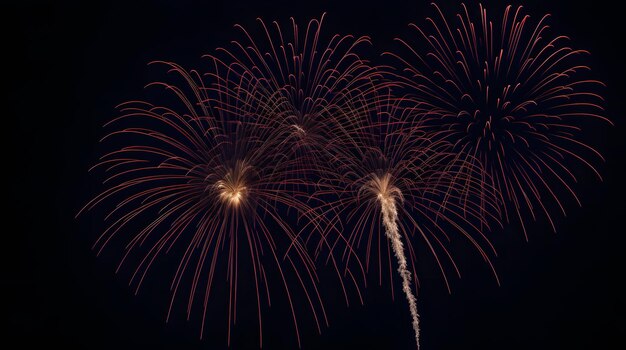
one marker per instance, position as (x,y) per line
(191,179)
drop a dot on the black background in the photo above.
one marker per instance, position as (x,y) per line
(66,66)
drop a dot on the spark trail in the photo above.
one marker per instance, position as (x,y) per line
(387,195)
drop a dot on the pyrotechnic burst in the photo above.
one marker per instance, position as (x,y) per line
(509,94)
(301,83)
(192,180)
(393,176)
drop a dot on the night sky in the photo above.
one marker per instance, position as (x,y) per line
(66,67)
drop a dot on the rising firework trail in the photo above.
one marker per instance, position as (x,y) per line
(510,95)
(392,172)
(387,196)
(191,180)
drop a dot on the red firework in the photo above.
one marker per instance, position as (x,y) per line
(511,95)
(190,180)
(304,85)
(391,175)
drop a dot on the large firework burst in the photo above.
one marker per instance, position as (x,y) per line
(509,94)
(305,85)
(191,180)
(392,176)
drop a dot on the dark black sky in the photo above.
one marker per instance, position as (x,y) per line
(65,68)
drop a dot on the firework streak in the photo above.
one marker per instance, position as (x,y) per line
(390,221)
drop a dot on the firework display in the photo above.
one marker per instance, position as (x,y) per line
(291,148)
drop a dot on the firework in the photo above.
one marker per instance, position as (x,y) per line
(392,172)
(303,84)
(510,95)
(191,180)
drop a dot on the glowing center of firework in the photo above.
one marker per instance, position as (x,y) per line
(231,193)
(383,188)
(298,129)
(232,188)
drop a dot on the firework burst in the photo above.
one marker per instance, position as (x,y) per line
(305,86)
(509,94)
(391,176)
(191,180)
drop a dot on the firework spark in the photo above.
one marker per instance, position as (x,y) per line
(510,95)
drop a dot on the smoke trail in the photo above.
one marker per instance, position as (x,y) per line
(390,221)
